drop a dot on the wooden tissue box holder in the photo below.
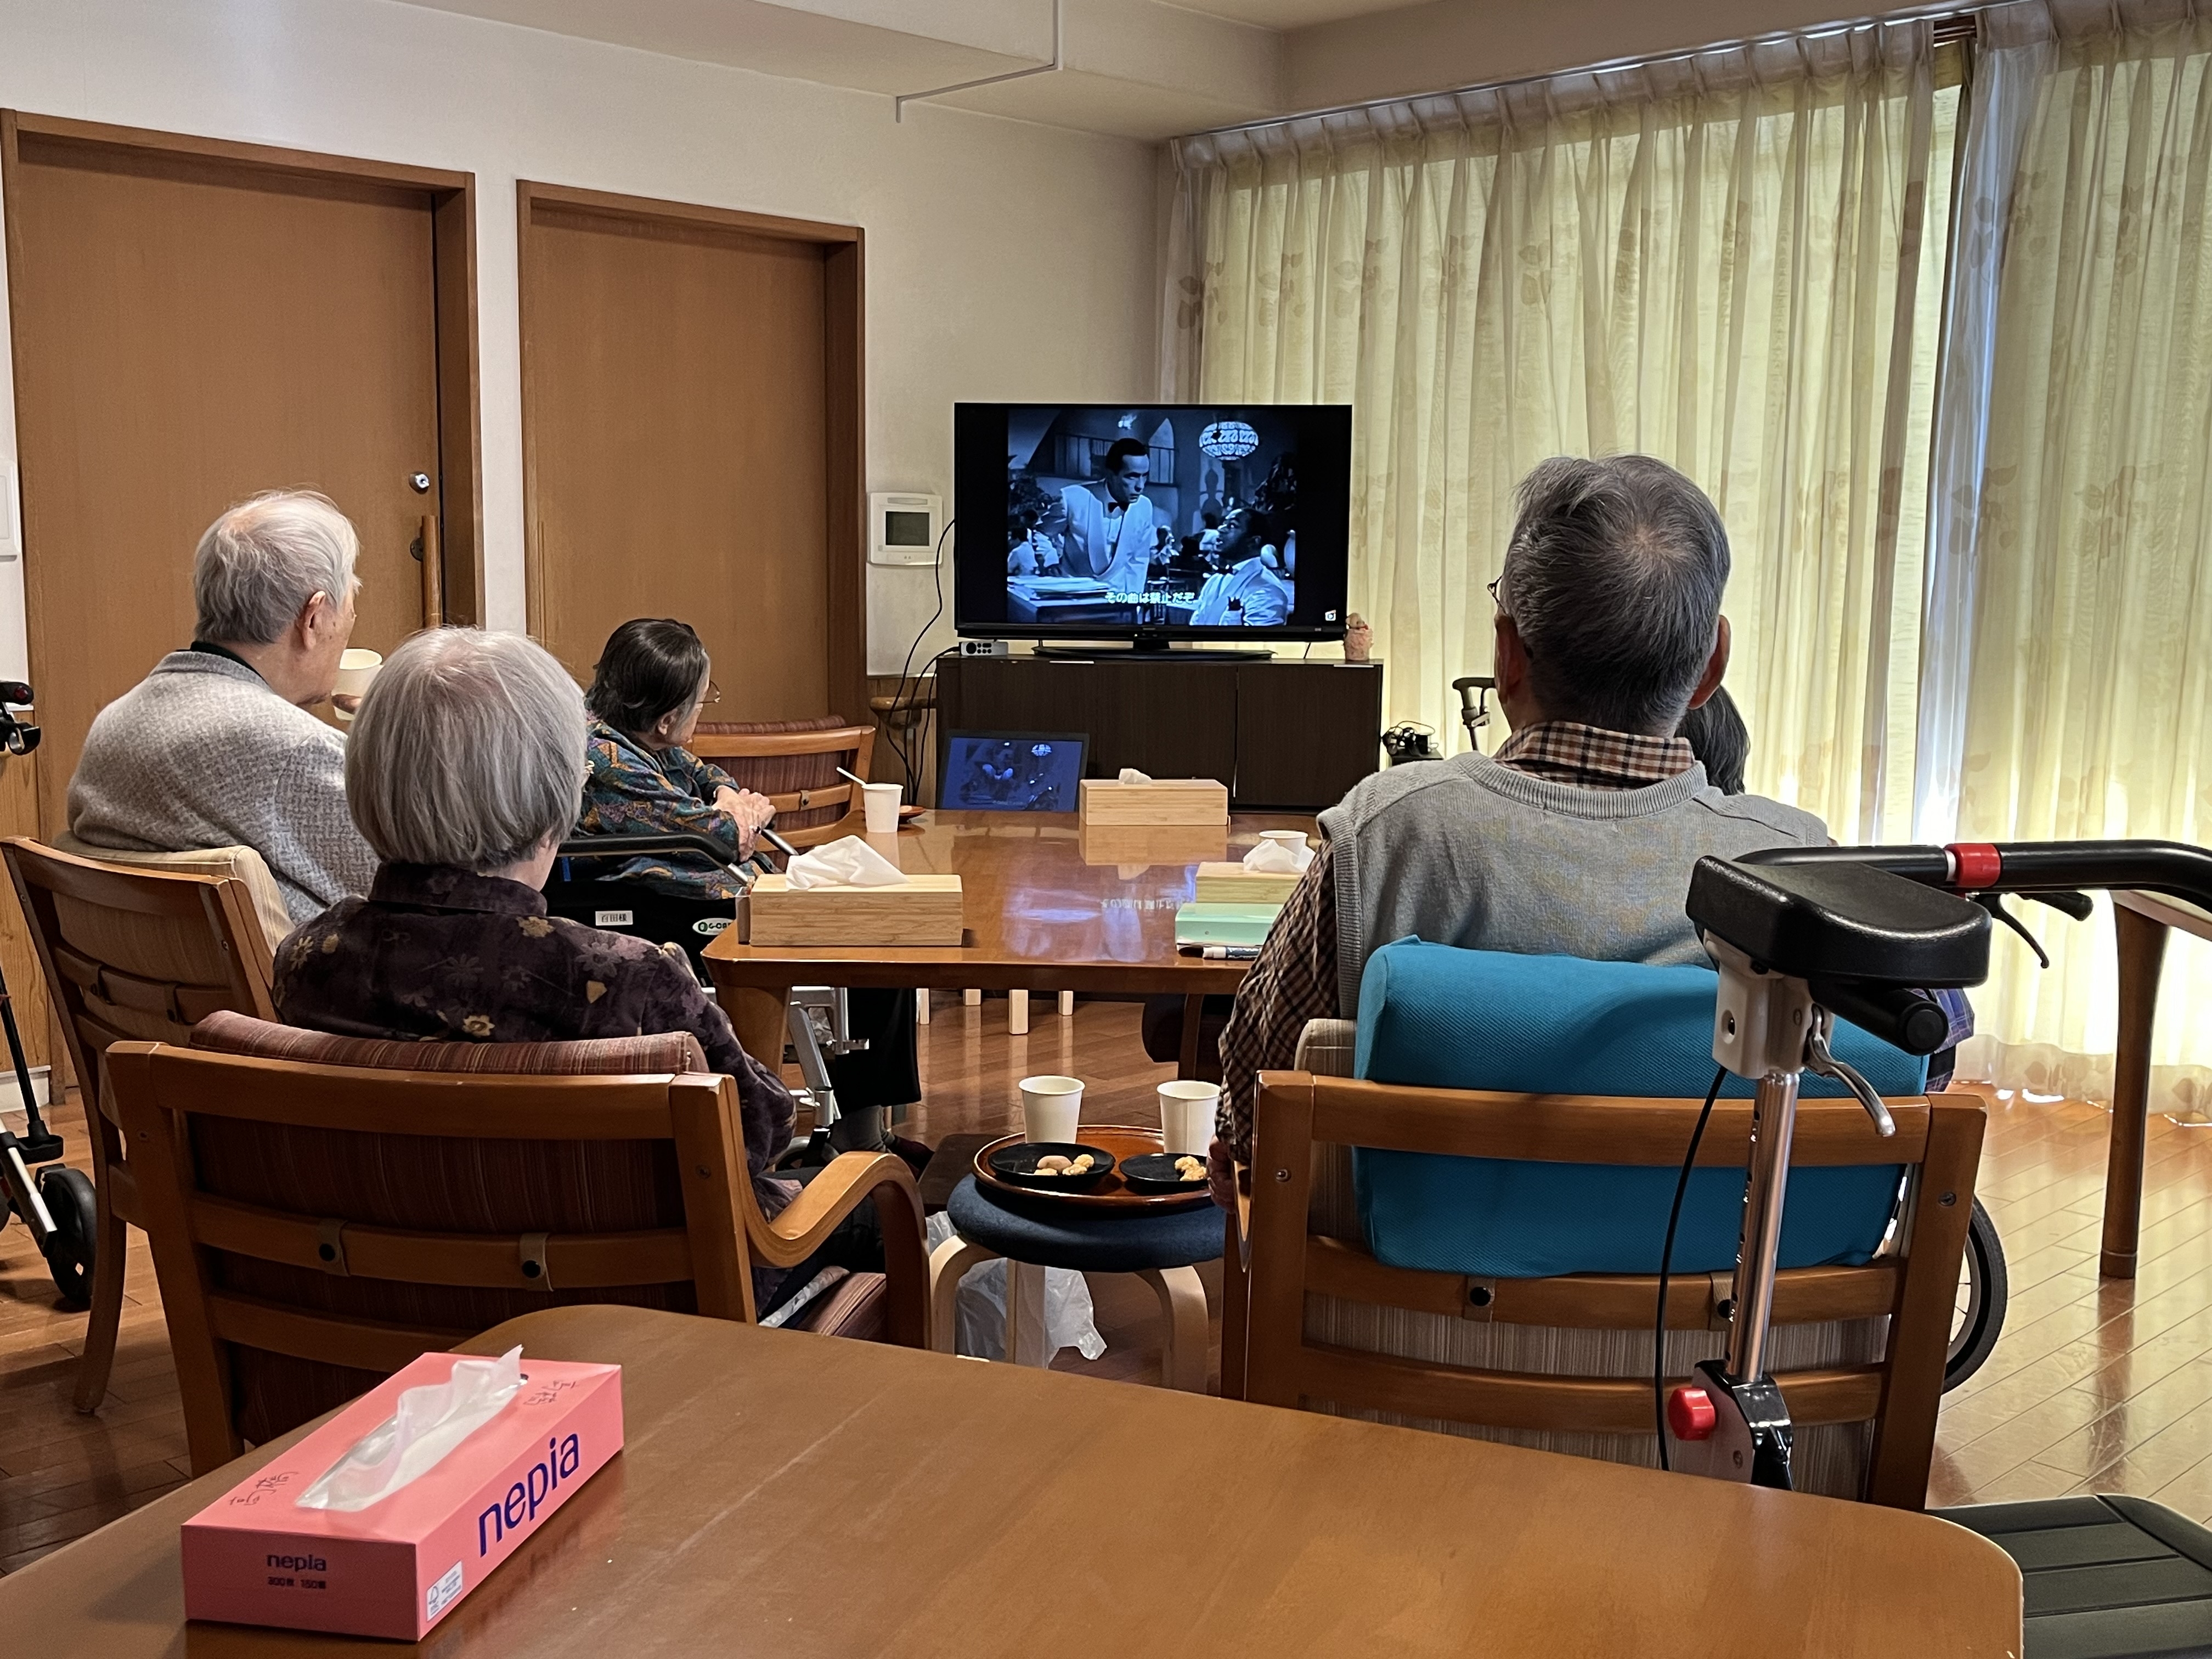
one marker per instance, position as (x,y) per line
(1192,801)
(1232,884)
(921,910)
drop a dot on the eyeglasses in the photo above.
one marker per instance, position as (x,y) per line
(713,694)
(1495,600)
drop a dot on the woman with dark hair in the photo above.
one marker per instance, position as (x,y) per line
(647,690)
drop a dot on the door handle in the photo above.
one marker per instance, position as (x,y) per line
(434,571)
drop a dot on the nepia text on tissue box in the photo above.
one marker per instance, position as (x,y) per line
(396,1568)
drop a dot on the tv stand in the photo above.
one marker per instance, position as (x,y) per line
(1152,647)
(1285,735)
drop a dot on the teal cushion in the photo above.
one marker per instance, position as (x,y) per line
(1435,1016)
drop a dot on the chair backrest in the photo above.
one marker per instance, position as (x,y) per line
(794,764)
(137,953)
(1440,1017)
(302,1256)
(1330,1325)
(238,863)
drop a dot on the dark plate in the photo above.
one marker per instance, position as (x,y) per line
(1155,1172)
(1017,1163)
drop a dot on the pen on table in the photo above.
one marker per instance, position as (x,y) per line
(1231,952)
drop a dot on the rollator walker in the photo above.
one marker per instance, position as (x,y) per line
(1803,935)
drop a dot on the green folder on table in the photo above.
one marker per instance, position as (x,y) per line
(1224,924)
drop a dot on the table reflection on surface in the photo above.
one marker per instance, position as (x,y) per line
(1050,904)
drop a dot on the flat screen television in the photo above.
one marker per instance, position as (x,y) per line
(1151,523)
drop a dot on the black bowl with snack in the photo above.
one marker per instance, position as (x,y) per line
(1060,1166)
(1165,1172)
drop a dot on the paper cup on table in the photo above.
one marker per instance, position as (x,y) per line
(1051,1107)
(1293,839)
(1187,1110)
(880,801)
(357,667)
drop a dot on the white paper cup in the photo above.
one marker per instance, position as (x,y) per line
(357,667)
(1187,1108)
(1293,839)
(1051,1107)
(880,801)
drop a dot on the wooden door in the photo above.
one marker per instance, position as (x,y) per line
(194,323)
(691,440)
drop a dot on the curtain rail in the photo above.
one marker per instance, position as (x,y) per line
(1952,23)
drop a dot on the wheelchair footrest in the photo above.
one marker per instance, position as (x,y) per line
(2106,1578)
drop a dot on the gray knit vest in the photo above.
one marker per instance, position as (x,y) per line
(1470,852)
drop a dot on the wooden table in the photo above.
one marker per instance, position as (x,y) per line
(1051,906)
(2141,922)
(793,1495)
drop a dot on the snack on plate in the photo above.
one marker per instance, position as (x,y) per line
(1058,1163)
(1190,1167)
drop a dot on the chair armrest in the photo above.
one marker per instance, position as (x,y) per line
(849,1181)
(1326,1047)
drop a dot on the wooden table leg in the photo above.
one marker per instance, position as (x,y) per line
(1193,1011)
(2142,953)
(757,1017)
(1027,1344)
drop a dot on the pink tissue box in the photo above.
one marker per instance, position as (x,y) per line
(253,1556)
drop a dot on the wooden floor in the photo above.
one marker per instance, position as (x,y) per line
(2100,1386)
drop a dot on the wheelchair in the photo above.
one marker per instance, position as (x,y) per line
(854,1048)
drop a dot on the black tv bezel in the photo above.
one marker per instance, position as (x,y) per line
(1152,638)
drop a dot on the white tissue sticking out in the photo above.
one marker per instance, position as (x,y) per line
(850,862)
(1275,858)
(1131,775)
(430,1421)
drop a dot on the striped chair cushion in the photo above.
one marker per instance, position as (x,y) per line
(230,1033)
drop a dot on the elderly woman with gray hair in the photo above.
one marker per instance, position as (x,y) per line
(464,773)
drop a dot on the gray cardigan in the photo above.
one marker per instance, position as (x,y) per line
(201,753)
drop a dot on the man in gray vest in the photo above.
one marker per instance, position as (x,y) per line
(1577,836)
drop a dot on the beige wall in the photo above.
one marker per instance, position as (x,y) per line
(1458,43)
(1005,260)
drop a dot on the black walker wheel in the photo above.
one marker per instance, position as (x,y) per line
(71,1251)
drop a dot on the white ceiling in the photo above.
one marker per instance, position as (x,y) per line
(1153,69)
(1294,14)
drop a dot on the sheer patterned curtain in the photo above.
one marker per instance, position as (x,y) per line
(2082,603)
(1731,261)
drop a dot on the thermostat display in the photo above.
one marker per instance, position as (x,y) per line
(903,529)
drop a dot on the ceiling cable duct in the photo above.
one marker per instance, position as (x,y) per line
(899,103)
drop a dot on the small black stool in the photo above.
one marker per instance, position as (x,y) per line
(1162,1250)
(2106,1578)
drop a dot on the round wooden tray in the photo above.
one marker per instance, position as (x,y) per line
(1109,1195)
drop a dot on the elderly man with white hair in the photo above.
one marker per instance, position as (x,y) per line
(215,747)
(466,770)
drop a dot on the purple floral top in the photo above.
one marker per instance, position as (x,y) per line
(439,955)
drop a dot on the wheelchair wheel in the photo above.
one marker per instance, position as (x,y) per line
(69,1252)
(1983,1291)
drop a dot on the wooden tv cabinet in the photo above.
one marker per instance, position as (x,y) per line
(1284,736)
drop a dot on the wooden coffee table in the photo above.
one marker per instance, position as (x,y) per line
(797,1495)
(1051,906)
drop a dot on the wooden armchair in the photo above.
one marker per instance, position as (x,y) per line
(1565,1363)
(315,1225)
(131,953)
(794,764)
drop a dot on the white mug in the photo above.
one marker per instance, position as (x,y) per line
(357,667)
(880,803)
(1296,839)
(1187,1109)
(1051,1107)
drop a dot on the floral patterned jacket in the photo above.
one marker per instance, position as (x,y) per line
(440,955)
(632,791)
